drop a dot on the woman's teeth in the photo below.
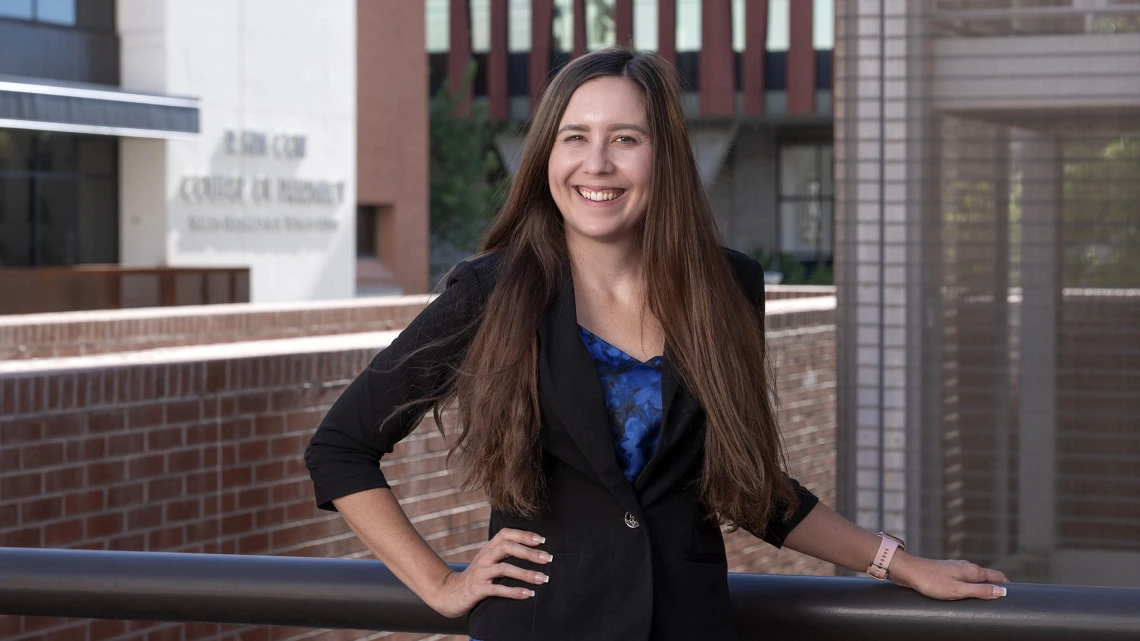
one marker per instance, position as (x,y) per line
(598,196)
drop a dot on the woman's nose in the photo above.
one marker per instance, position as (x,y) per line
(598,160)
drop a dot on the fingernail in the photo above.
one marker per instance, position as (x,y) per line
(530,593)
(542,577)
(999,591)
(546,557)
(538,539)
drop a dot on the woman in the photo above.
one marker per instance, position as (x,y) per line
(606,355)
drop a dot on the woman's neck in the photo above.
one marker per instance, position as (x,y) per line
(613,268)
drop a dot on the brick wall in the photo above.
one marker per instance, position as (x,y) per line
(169,453)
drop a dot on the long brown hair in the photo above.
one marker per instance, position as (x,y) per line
(694,293)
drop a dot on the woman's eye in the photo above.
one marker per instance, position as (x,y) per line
(625,139)
(574,138)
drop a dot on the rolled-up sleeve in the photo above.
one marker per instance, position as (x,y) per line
(343,456)
(778,527)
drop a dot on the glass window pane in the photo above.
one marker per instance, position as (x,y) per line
(645,24)
(823,25)
(600,28)
(563,27)
(58,237)
(827,169)
(688,25)
(518,31)
(437,23)
(56,152)
(15,150)
(56,11)
(738,24)
(798,170)
(15,222)
(480,26)
(779,25)
(805,228)
(97,222)
(19,9)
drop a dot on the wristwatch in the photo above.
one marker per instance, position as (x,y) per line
(887,549)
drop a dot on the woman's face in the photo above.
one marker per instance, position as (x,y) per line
(602,161)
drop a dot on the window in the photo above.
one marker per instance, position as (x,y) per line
(366,231)
(645,24)
(779,25)
(823,25)
(518,29)
(738,26)
(437,23)
(518,47)
(61,12)
(688,25)
(563,26)
(600,28)
(806,201)
(58,199)
(480,26)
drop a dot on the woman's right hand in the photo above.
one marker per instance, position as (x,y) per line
(460,591)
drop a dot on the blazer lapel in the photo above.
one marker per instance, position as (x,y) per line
(578,397)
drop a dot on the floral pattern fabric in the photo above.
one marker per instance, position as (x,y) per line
(633,398)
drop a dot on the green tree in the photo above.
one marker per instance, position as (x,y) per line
(467,179)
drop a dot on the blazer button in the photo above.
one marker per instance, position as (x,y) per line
(630,521)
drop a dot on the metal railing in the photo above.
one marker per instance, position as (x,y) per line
(1080,17)
(364,595)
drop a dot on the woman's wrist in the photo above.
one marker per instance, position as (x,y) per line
(901,570)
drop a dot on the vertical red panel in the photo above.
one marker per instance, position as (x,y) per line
(667,29)
(579,12)
(497,62)
(541,36)
(717,90)
(801,60)
(459,51)
(623,22)
(755,49)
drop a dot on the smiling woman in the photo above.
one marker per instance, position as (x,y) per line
(606,355)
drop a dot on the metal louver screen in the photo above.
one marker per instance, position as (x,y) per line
(988,262)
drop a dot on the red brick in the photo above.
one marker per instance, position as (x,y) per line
(130,543)
(124,444)
(145,467)
(63,533)
(253,498)
(202,530)
(106,628)
(21,485)
(80,450)
(10,458)
(141,518)
(289,445)
(183,510)
(24,430)
(104,525)
(146,415)
(237,524)
(272,425)
(256,403)
(83,502)
(236,429)
(269,472)
(26,537)
(290,491)
(106,421)
(165,539)
(106,473)
(41,509)
(164,488)
(202,482)
(255,450)
(183,412)
(68,478)
(124,495)
(164,438)
(254,544)
(10,626)
(32,624)
(183,461)
(66,425)
(201,434)
(237,476)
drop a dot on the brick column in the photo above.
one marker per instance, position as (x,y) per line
(755,49)
(717,90)
(801,60)
(623,22)
(667,30)
(497,62)
(542,19)
(579,12)
(459,53)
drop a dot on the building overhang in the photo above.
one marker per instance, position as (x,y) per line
(49,105)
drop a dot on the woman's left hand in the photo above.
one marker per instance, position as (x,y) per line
(947,580)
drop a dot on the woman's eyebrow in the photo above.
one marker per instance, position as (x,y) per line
(615,127)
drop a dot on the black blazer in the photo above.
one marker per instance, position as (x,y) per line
(631,561)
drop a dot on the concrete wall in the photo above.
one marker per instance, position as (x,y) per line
(272,68)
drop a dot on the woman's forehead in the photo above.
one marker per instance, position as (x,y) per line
(604,101)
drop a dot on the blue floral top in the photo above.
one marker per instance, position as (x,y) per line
(633,397)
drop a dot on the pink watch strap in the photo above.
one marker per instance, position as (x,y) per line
(887,549)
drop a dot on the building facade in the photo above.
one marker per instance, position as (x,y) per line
(170,133)
(986,161)
(757,77)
